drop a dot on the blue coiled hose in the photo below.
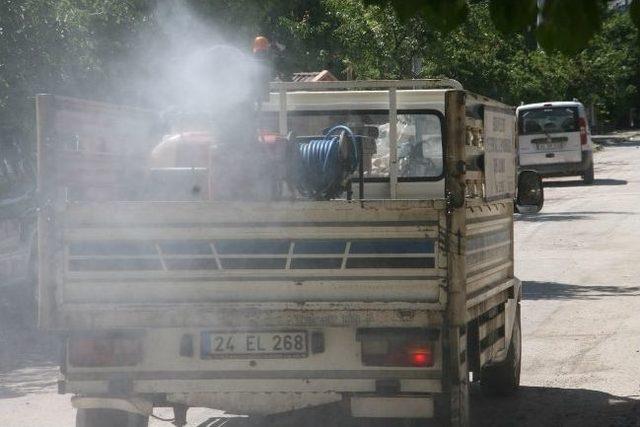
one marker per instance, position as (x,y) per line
(321,172)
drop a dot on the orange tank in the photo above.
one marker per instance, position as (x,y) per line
(182,150)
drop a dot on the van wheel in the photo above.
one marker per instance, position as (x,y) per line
(503,379)
(587,176)
(109,418)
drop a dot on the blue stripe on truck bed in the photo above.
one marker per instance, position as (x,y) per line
(251,254)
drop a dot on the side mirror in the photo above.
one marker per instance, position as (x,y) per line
(530,195)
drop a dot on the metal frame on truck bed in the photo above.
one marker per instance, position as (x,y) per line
(390,295)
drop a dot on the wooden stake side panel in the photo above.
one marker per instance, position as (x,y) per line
(455,381)
(488,250)
(491,334)
(94,150)
(488,243)
(490,279)
(474,152)
(489,149)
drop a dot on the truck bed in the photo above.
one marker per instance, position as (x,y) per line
(150,264)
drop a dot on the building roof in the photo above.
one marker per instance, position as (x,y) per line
(314,76)
(619,4)
(550,104)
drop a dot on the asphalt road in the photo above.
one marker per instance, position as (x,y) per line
(579,260)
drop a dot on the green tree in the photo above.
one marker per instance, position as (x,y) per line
(566,25)
(607,74)
(115,50)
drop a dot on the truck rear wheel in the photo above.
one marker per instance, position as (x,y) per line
(109,418)
(588,175)
(503,378)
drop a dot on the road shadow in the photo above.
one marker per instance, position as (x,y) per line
(23,381)
(548,406)
(529,407)
(551,217)
(617,142)
(533,290)
(579,183)
(566,216)
(22,344)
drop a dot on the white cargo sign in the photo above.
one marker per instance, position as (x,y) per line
(499,153)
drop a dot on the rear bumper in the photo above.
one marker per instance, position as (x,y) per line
(95,386)
(562,169)
(400,398)
(392,407)
(355,405)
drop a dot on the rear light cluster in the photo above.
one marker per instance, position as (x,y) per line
(582,122)
(104,350)
(400,347)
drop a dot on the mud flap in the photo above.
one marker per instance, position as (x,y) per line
(134,405)
(510,314)
(392,407)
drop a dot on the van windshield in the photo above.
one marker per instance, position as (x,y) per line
(548,120)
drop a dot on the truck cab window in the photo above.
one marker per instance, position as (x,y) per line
(419,138)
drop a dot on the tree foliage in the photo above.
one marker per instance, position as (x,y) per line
(511,17)
(565,25)
(634,11)
(568,25)
(117,50)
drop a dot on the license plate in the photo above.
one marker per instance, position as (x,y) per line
(246,345)
(549,146)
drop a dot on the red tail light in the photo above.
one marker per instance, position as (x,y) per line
(582,122)
(395,347)
(421,358)
(104,351)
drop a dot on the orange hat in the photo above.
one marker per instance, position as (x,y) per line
(260,44)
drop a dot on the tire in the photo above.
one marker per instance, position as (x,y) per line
(503,379)
(588,176)
(530,190)
(109,418)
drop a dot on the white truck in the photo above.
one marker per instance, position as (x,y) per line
(383,294)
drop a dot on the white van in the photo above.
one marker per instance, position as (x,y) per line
(554,139)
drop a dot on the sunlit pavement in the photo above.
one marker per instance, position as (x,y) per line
(579,260)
